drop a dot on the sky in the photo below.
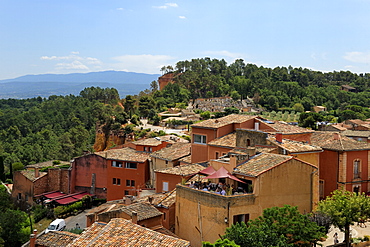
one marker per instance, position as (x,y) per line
(69,36)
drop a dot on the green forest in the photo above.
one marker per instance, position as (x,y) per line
(62,127)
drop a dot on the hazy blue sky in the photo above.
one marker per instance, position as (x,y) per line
(68,36)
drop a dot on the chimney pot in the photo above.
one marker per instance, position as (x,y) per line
(279,137)
(37,173)
(33,240)
(134,217)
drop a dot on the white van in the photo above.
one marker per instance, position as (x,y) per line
(56,225)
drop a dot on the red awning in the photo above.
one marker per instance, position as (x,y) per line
(223,173)
(79,196)
(54,195)
(66,200)
(208,171)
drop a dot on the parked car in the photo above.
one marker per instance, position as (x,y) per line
(56,225)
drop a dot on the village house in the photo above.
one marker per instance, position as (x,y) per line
(89,173)
(51,239)
(275,180)
(168,157)
(31,182)
(344,163)
(127,172)
(204,133)
(168,178)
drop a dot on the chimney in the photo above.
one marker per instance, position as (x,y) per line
(233,160)
(37,173)
(33,238)
(256,125)
(336,136)
(134,217)
(279,137)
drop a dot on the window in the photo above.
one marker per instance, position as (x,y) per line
(217,154)
(248,142)
(116,163)
(26,197)
(127,192)
(117,181)
(321,189)
(150,149)
(357,169)
(200,139)
(240,218)
(357,189)
(164,216)
(165,186)
(19,197)
(131,165)
(144,149)
(130,183)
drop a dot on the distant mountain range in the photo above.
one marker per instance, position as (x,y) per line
(30,86)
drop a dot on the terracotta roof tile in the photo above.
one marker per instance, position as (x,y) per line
(148,142)
(174,152)
(356,133)
(335,141)
(144,210)
(182,170)
(260,163)
(56,238)
(294,146)
(124,154)
(286,128)
(30,174)
(186,159)
(121,232)
(168,200)
(228,140)
(219,122)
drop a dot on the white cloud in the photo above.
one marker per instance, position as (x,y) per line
(182,17)
(120,9)
(74,62)
(223,54)
(166,6)
(357,57)
(75,65)
(145,63)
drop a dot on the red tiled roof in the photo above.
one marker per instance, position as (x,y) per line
(124,154)
(260,163)
(219,122)
(228,140)
(174,152)
(335,141)
(294,146)
(182,170)
(121,232)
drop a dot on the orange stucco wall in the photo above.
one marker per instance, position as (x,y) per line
(337,171)
(83,169)
(172,180)
(213,149)
(199,152)
(140,175)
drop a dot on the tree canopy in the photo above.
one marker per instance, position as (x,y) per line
(278,226)
(345,208)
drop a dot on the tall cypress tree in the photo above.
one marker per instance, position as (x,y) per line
(2,170)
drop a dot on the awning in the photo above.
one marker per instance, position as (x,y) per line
(223,173)
(66,200)
(208,171)
(54,195)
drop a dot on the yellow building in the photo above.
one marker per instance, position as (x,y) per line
(277,180)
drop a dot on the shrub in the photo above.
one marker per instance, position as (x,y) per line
(39,212)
